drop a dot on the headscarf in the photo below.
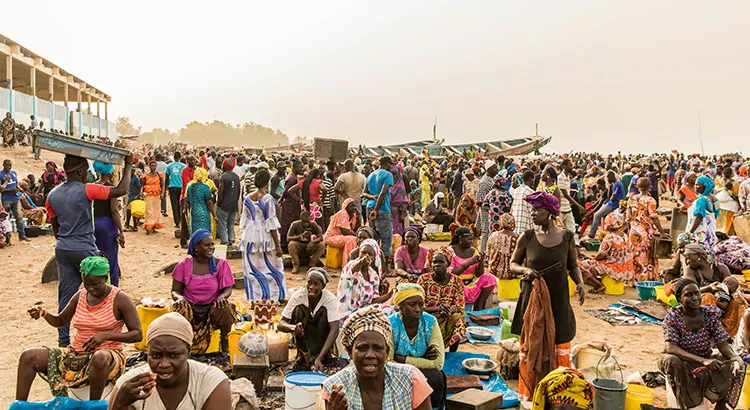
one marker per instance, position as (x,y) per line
(551,171)
(229,163)
(296,162)
(319,273)
(346,203)
(614,221)
(501,183)
(563,386)
(460,232)
(369,231)
(398,190)
(95,266)
(543,200)
(103,169)
(405,291)
(416,230)
(435,199)
(742,171)
(369,318)
(695,249)
(374,245)
(171,324)
(708,183)
(680,285)
(198,236)
(201,175)
(507,221)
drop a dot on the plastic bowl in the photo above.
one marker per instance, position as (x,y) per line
(647,290)
(480,333)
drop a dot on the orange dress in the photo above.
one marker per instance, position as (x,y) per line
(152,189)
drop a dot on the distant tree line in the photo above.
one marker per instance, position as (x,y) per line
(215,133)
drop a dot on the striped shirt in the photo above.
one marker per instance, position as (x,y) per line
(91,320)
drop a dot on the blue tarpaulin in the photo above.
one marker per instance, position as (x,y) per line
(495,339)
(59,403)
(636,313)
(452,367)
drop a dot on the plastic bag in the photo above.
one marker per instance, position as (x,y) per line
(138,208)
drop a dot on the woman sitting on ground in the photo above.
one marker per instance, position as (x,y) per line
(374,383)
(434,213)
(36,215)
(417,339)
(444,299)
(410,258)
(466,215)
(312,315)
(468,264)
(364,233)
(360,283)
(170,380)
(689,332)
(615,257)
(95,358)
(500,247)
(342,229)
(700,269)
(201,286)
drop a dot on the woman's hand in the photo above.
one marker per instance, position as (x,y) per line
(431,353)
(94,341)
(712,364)
(581,293)
(279,252)
(177,302)
(221,302)
(138,388)
(364,262)
(121,239)
(318,365)
(337,401)
(399,359)
(445,310)
(36,312)
(530,274)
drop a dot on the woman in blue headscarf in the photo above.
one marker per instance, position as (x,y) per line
(108,229)
(201,286)
(702,214)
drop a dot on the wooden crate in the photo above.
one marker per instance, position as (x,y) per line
(74,146)
(329,149)
(475,399)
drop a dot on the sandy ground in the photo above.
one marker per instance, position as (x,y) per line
(637,348)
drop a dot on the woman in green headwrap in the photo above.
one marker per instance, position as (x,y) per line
(98,313)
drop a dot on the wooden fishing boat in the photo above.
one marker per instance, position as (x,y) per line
(435,148)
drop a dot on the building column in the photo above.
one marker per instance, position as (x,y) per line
(9,80)
(106,112)
(78,98)
(97,108)
(52,101)
(88,98)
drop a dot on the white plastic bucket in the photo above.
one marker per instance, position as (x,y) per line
(511,306)
(589,357)
(301,388)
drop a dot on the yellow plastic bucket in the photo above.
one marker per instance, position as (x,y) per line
(746,274)
(508,288)
(238,330)
(662,296)
(613,287)
(571,286)
(146,315)
(637,395)
(744,402)
(215,344)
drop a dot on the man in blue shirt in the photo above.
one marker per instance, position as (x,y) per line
(11,197)
(378,195)
(613,203)
(174,184)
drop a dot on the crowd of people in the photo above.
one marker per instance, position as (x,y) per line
(507,218)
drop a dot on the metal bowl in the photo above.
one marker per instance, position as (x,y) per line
(479,366)
(480,333)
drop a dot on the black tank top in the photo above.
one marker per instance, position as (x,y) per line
(101,207)
(541,258)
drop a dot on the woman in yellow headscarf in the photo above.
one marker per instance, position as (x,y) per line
(198,200)
(566,387)
(425,184)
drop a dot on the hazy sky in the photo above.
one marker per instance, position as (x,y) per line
(596,75)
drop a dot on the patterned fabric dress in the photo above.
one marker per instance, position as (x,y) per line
(200,218)
(397,394)
(500,248)
(642,211)
(152,189)
(452,327)
(700,344)
(354,291)
(264,271)
(619,262)
(705,233)
(499,202)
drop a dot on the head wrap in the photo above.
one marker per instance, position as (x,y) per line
(507,221)
(543,200)
(743,171)
(95,266)
(460,232)
(405,291)
(695,249)
(614,221)
(201,175)
(103,169)
(563,386)
(551,171)
(369,318)
(680,285)
(686,237)
(319,273)
(722,296)
(51,163)
(198,236)
(369,231)
(469,172)
(501,182)
(438,196)
(171,324)
(263,165)
(708,183)
(414,229)
(296,162)
(489,164)
(374,245)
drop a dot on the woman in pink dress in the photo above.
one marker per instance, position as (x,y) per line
(468,264)
(411,258)
(342,229)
